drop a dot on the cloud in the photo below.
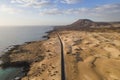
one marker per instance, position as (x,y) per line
(108,11)
(108,8)
(32,3)
(56,11)
(9,9)
(76,11)
(53,11)
(70,1)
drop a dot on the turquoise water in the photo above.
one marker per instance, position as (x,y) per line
(18,35)
(9,73)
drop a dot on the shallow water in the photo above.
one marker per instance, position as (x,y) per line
(9,73)
(18,35)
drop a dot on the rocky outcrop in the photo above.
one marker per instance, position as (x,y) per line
(90,54)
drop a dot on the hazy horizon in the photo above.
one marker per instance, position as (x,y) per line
(56,12)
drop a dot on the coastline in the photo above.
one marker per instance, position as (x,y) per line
(88,51)
(25,65)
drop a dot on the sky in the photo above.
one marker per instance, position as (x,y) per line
(56,12)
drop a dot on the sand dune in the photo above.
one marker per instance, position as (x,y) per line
(89,53)
(88,56)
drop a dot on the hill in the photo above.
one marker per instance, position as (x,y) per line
(93,54)
(86,23)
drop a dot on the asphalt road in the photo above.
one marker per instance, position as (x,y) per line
(63,76)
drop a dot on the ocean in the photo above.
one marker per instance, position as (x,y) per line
(16,36)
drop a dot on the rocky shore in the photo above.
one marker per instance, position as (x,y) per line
(91,53)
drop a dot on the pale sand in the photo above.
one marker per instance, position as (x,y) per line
(88,56)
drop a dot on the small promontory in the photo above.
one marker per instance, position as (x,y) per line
(91,52)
